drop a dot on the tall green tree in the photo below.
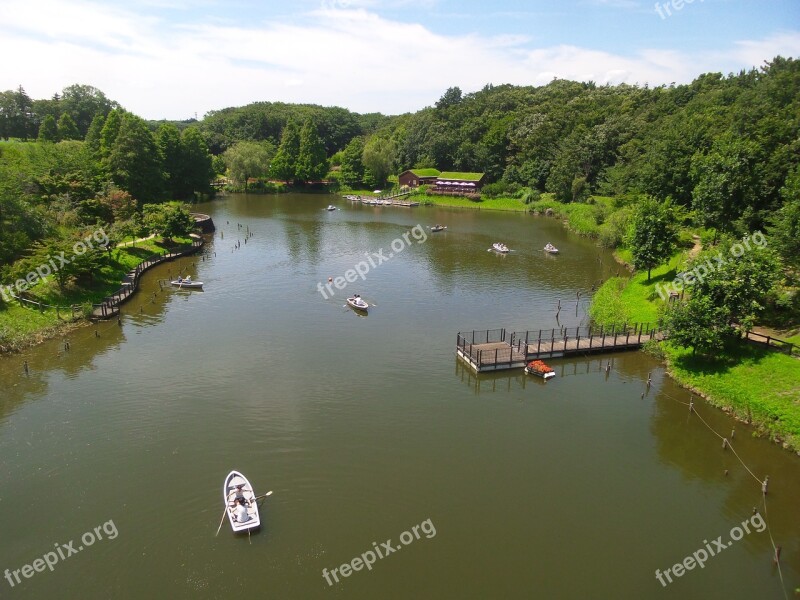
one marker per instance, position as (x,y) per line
(67,130)
(352,166)
(94,135)
(379,158)
(654,233)
(135,161)
(284,165)
(168,139)
(312,163)
(109,133)
(48,130)
(198,172)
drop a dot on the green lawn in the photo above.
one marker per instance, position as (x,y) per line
(20,325)
(632,299)
(737,381)
(509,204)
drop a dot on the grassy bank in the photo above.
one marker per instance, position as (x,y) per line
(507,204)
(733,380)
(21,326)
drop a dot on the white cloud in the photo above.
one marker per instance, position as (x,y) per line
(332,56)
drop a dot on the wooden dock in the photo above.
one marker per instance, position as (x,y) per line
(496,349)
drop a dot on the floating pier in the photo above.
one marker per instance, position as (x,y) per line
(497,349)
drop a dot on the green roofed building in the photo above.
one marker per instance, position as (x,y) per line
(417,177)
(459,183)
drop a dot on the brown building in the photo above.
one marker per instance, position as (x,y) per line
(417,177)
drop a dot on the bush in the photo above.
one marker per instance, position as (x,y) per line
(500,188)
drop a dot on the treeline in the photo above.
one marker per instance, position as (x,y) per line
(92,163)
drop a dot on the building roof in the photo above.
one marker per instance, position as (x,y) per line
(423,172)
(461,176)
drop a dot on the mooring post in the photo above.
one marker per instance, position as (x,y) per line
(25,367)
(777,554)
(764,485)
(724,443)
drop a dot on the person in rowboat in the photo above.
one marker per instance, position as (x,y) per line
(237,495)
(241,512)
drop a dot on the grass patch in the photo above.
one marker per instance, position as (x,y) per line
(508,204)
(22,326)
(735,381)
(623,300)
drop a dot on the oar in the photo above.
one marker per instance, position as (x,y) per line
(269,493)
(222,519)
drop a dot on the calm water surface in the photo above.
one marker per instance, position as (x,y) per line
(364,427)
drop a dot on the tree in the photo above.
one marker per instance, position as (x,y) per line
(697,323)
(726,182)
(785,230)
(248,159)
(284,165)
(727,287)
(48,131)
(83,103)
(109,133)
(379,158)
(94,135)
(451,97)
(167,220)
(198,170)
(352,168)
(311,164)
(168,139)
(135,161)
(67,130)
(654,233)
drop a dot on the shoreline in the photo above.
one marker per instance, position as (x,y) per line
(39,336)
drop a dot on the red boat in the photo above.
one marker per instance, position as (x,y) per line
(538,368)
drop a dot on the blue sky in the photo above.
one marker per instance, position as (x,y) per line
(177,58)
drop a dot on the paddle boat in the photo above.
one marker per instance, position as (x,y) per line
(437,227)
(498,247)
(331,207)
(538,368)
(249,519)
(550,248)
(357,303)
(186,283)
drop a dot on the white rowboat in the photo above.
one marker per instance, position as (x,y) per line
(187,284)
(228,496)
(358,304)
(498,247)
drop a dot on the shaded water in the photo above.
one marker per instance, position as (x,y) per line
(367,426)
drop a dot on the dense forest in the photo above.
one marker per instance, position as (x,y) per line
(725,149)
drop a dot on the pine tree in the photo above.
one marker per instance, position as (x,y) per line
(284,165)
(312,163)
(48,131)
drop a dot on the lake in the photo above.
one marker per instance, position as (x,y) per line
(369,430)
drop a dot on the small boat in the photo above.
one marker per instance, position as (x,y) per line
(500,247)
(187,284)
(357,303)
(229,489)
(331,207)
(538,368)
(438,228)
(550,248)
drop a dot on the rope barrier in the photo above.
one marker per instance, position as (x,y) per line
(727,444)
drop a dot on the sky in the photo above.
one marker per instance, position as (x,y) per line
(180,59)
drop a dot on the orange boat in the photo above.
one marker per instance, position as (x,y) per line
(538,368)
